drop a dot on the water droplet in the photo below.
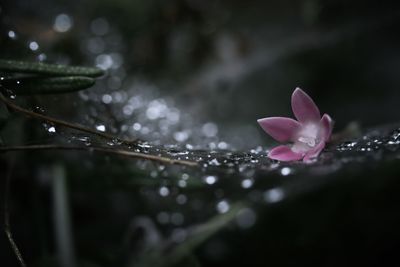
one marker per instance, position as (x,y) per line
(181,136)
(51,129)
(163,191)
(214,162)
(223,206)
(189,146)
(161,168)
(182,183)
(104,61)
(101,128)
(222,145)
(210,179)
(33,46)
(84,139)
(246,218)
(12,35)
(209,129)
(274,195)
(42,57)
(10,93)
(181,199)
(38,109)
(247,183)
(62,23)
(286,171)
(136,126)
(107,99)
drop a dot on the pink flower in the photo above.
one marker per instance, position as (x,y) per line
(309,133)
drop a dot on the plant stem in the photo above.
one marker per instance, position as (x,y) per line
(66,124)
(120,152)
(62,218)
(7,227)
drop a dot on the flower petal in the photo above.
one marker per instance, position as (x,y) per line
(303,107)
(280,128)
(284,153)
(327,126)
(313,153)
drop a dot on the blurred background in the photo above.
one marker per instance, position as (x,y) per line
(225,59)
(192,74)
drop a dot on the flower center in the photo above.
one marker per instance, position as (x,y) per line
(307,138)
(310,141)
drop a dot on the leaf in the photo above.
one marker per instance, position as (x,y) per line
(200,234)
(47,85)
(166,256)
(47,69)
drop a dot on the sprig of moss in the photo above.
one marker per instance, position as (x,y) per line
(45,69)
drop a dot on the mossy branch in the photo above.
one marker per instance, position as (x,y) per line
(45,69)
(47,85)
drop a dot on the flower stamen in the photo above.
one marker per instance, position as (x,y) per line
(310,141)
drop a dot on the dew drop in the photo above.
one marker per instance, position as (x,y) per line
(214,162)
(247,183)
(181,199)
(62,23)
(33,46)
(274,195)
(12,35)
(101,128)
(210,179)
(182,183)
(210,129)
(246,218)
(223,206)
(163,191)
(51,129)
(286,171)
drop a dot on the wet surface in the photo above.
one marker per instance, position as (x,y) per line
(224,176)
(242,189)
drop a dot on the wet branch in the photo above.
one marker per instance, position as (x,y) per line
(59,122)
(120,152)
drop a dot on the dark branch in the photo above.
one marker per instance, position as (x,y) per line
(59,122)
(120,152)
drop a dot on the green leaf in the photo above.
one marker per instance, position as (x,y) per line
(47,85)
(47,69)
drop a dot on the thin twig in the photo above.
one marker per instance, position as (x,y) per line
(7,227)
(119,152)
(66,124)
